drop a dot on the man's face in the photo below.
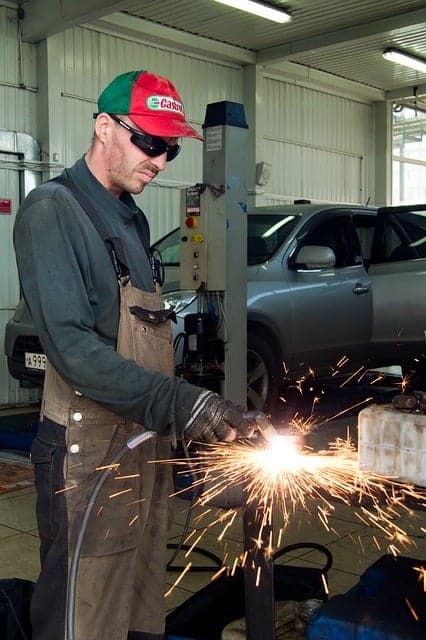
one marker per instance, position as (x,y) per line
(128,167)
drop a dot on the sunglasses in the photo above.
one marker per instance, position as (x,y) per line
(151,145)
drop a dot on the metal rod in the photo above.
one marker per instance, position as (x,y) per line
(258,576)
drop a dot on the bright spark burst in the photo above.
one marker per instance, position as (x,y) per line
(282,476)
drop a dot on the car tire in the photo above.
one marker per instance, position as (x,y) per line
(263,374)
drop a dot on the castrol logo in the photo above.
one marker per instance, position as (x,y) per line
(164,103)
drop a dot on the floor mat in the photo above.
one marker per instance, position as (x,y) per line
(16,472)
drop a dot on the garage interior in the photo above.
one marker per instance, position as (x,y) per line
(330,120)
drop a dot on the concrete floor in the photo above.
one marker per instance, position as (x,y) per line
(347,538)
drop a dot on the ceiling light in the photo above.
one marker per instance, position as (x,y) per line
(407,59)
(259,9)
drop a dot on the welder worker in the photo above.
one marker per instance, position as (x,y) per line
(87,276)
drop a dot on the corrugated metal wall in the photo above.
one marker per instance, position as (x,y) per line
(320,145)
(17,77)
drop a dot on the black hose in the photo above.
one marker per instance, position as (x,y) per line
(307,545)
(132,443)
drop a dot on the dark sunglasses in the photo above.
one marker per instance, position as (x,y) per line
(151,145)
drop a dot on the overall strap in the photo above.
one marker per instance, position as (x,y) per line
(113,243)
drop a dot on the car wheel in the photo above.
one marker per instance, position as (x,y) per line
(263,374)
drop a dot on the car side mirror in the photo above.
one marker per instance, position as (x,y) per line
(313,257)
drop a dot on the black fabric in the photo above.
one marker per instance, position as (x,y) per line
(114,244)
(153,317)
(15,596)
(48,604)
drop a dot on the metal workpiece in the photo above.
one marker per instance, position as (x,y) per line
(414,402)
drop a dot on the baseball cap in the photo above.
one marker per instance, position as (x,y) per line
(151,102)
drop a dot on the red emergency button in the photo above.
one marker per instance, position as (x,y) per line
(191,222)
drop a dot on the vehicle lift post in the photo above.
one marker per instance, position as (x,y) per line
(225,174)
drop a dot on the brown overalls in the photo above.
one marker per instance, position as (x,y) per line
(121,576)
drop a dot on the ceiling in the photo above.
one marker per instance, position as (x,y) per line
(344,38)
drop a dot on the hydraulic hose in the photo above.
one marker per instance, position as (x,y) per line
(132,443)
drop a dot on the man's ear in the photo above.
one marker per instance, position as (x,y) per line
(102,125)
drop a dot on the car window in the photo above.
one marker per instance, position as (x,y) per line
(365,225)
(400,235)
(266,233)
(169,248)
(338,234)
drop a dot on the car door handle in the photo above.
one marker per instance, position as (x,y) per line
(359,289)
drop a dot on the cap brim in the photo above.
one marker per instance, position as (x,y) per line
(165,127)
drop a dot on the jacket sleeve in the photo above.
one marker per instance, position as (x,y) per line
(54,264)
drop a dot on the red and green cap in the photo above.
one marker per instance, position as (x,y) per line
(151,101)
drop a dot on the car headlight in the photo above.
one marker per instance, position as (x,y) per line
(180,300)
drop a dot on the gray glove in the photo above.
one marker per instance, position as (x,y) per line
(212,418)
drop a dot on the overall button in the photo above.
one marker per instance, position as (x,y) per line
(77,416)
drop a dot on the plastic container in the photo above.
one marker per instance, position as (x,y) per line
(393,443)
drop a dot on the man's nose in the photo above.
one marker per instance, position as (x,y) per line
(160,161)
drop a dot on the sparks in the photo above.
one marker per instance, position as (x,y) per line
(422,575)
(179,579)
(283,476)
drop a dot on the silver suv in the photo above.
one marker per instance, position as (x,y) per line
(330,288)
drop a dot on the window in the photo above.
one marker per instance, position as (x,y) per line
(400,235)
(338,234)
(266,233)
(169,248)
(409,155)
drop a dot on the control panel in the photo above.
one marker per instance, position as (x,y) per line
(203,238)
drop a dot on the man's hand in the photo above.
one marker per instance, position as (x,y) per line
(213,419)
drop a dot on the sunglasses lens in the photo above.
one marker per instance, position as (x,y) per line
(154,146)
(145,144)
(172,152)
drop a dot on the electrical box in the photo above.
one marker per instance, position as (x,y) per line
(203,238)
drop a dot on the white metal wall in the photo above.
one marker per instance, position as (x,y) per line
(17,77)
(320,145)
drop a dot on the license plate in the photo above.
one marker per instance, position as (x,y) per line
(35,361)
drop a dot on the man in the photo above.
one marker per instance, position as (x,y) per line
(82,249)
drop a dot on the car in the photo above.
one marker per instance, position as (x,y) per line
(330,289)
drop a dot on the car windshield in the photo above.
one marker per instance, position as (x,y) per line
(266,233)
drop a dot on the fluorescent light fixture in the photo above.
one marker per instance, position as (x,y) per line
(259,9)
(407,59)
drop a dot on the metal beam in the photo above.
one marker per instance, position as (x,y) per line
(134,27)
(406,92)
(43,18)
(284,51)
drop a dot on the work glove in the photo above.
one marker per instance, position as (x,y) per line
(213,419)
